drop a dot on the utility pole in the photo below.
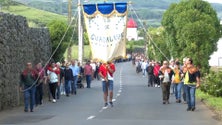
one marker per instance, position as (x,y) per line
(80,37)
(69,11)
(69,51)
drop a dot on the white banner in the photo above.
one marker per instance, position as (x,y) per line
(107,36)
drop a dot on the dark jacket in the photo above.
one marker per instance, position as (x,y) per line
(150,70)
(28,78)
(68,74)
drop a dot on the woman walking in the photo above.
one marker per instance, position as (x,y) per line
(53,76)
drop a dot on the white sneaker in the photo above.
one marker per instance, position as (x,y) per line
(54,101)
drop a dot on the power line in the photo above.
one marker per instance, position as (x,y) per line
(147,33)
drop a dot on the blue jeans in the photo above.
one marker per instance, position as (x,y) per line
(183,91)
(74,84)
(29,97)
(178,87)
(68,86)
(62,87)
(107,86)
(190,95)
(88,81)
(144,72)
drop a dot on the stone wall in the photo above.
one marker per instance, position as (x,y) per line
(19,44)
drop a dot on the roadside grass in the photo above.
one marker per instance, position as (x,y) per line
(74,53)
(214,103)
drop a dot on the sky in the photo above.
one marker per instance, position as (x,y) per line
(214,1)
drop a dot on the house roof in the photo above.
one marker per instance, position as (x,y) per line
(131,23)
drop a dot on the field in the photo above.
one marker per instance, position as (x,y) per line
(35,17)
(74,54)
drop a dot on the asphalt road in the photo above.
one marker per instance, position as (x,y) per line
(134,104)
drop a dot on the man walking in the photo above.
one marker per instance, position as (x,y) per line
(165,75)
(75,70)
(106,72)
(39,85)
(150,74)
(68,77)
(88,72)
(27,84)
(191,82)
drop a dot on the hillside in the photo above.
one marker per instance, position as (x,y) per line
(35,17)
(150,11)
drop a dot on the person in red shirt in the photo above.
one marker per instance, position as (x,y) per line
(106,71)
(88,71)
(54,79)
(156,76)
(28,80)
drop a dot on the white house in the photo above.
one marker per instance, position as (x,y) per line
(216,57)
(132,33)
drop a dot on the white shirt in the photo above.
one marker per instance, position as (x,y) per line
(144,65)
(52,76)
(166,77)
(93,66)
(109,77)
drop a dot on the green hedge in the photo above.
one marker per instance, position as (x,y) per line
(212,84)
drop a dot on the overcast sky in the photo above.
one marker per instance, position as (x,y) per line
(214,1)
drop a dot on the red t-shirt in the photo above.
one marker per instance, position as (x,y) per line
(112,66)
(104,70)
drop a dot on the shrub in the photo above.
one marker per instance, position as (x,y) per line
(212,84)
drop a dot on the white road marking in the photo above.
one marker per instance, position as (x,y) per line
(117,94)
(113,100)
(91,117)
(105,107)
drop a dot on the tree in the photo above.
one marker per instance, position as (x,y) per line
(157,45)
(192,29)
(57,29)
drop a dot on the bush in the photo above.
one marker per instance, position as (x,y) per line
(212,84)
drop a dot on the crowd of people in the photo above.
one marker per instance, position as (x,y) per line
(60,78)
(64,79)
(182,80)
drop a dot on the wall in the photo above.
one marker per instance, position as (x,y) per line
(19,44)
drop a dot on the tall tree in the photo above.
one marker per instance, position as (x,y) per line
(157,45)
(57,29)
(193,30)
